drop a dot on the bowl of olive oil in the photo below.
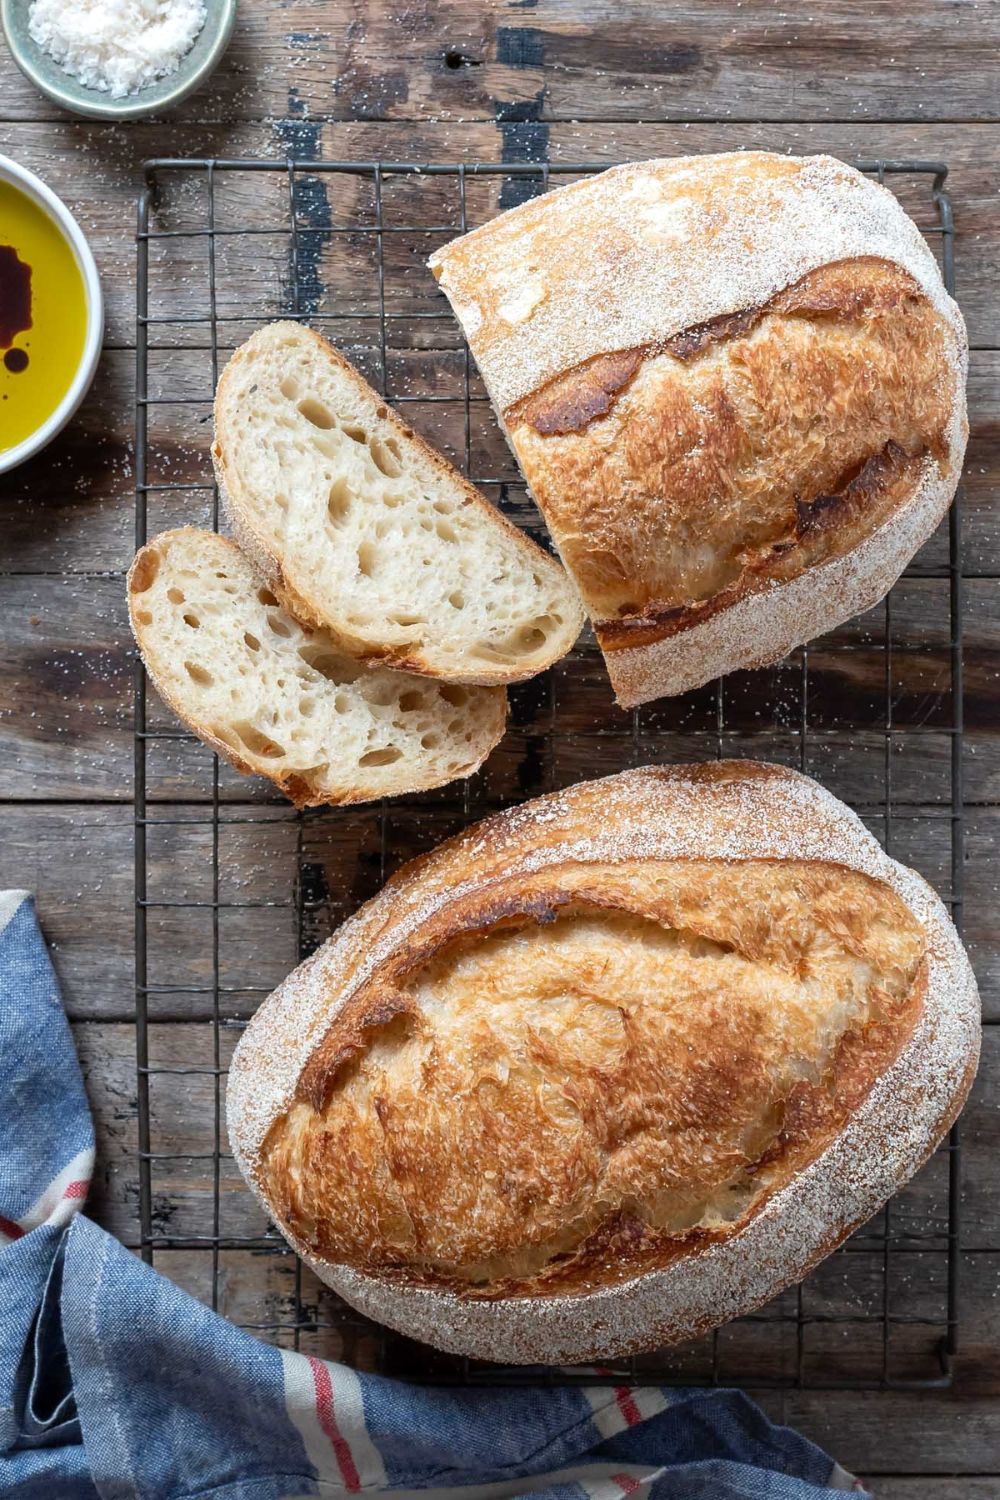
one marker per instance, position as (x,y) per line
(51,314)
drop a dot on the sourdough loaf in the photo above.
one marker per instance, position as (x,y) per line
(361,528)
(609,1068)
(276,697)
(739,401)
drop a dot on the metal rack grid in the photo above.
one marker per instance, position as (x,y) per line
(226,876)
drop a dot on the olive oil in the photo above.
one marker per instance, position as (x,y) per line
(43,316)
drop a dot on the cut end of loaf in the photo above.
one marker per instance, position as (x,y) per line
(364,529)
(278,698)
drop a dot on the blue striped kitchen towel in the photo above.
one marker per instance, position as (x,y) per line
(115,1383)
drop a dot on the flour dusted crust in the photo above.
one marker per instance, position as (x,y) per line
(735,385)
(901,1072)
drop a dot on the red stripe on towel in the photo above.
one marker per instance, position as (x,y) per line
(627,1407)
(328,1422)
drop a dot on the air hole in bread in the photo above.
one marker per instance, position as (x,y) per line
(446,531)
(442,508)
(356,434)
(456,599)
(522,642)
(367,559)
(339,501)
(250,641)
(315,412)
(386,456)
(386,757)
(402,619)
(341,703)
(452,693)
(175,596)
(530,638)
(144,571)
(265,596)
(198,674)
(281,501)
(191,619)
(430,741)
(143,617)
(336,669)
(380,693)
(289,387)
(307,707)
(256,742)
(279,625)
(409,701)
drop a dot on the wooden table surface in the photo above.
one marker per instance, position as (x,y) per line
(524,81)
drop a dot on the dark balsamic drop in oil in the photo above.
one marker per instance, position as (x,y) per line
(15,306)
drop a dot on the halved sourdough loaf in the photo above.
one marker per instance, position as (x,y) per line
(360,527)
(609,1068)
(276,697)
(739,402)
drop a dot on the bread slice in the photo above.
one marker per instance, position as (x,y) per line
(360,527)
(276,697)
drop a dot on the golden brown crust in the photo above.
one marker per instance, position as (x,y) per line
(709,303)
(587,1075)
(682,478)
(618,853)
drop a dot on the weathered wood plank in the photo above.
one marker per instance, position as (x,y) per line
(105,198)
(71,510)
(560,61)
(78,858)
(66,687)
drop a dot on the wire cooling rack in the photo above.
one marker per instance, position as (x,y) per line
(233,887)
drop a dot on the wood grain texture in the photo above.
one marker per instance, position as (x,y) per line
(482,82)
(560,60)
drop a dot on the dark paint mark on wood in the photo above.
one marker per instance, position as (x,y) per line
(524,137)
(521,46)
(301,140)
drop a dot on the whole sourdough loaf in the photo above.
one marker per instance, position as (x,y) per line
(273,696)
(735,385)
(361,528)
(609,1068)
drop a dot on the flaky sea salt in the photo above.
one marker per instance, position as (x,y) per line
(116,46)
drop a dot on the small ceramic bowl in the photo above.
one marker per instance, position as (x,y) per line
(33,187)
(46,74)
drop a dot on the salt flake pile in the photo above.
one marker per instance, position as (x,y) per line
(116,46)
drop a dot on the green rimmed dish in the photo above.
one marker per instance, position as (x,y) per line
(61,87)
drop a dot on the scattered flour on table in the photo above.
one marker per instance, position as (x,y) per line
(117,46)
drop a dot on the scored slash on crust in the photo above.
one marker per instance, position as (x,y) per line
(730,811)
